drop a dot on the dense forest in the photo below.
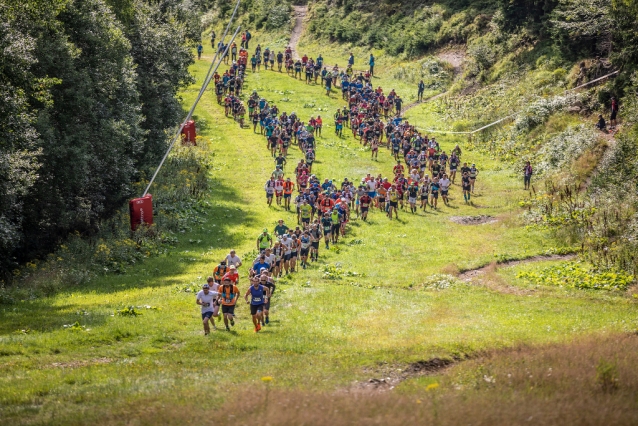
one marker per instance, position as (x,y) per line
(89,90)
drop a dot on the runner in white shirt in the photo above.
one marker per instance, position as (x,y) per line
(233,259)
(286,243)
(445,187)
(414,175)
(205,298)
(279,190)
(269,187)
(371,185)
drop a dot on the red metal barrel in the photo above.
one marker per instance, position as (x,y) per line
(188,132)
(141,211)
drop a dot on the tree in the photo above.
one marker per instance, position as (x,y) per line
(584,23)
(90,132)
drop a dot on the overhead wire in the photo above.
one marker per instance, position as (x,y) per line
(211,72)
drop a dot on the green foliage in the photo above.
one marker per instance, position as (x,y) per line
(579,276)
(88,97)
(128,312)
(336,272)
(584,26)
(435,75)
(76,326)
(401,28)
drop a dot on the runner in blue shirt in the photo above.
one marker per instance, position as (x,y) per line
(258,295)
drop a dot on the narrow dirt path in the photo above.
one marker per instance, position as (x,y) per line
(413,104)
(456,58)
(474,273)
(300,15)
(610,138)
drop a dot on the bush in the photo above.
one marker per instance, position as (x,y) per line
(579,276)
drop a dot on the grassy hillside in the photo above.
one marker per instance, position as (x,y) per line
(79,355)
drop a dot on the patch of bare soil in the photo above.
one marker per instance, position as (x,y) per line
(454,57)
(300,15)
(474,273)
(388,377)
(473,220)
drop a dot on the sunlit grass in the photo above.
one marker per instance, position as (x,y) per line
(323,332)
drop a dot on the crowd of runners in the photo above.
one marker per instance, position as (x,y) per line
(423,173)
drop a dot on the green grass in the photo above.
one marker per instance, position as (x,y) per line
(324,333)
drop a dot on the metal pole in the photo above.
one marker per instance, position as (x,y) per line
(207,79)
(190,114)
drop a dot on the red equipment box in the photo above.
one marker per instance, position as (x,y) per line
(141,211)
(189,133)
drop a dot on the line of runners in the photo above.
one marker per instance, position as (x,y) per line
(323,210)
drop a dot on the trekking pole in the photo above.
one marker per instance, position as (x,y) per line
(190,114)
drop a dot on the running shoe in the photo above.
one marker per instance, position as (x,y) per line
(258,327)
(227,328)
(232,322)
(267,320)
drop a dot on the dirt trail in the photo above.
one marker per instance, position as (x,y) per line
(413,104)
(300,15)
(456,58)
(610,138)
(474,273)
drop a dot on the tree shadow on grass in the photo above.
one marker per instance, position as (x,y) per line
(39,315)
(214,230)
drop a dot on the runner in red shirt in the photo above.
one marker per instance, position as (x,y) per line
(288,187)
(232,275)
(364,204)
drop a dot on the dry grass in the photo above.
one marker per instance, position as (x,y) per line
(585,165)
(451,269)
(588,382)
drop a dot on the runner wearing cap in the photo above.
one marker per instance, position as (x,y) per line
(264,240)
(205,299)
(229,293)
(232,274)
(258,295)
